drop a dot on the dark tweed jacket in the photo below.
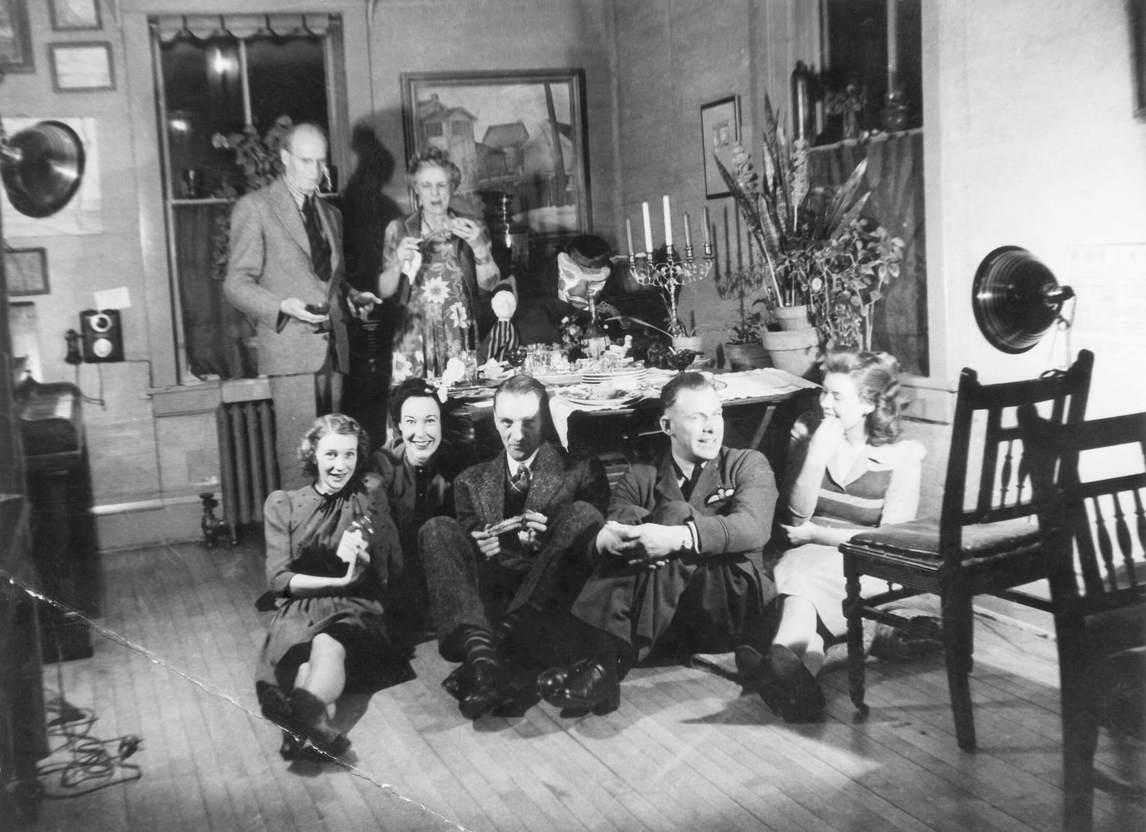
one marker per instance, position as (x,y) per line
(558,478)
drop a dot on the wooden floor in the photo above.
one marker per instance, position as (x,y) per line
(684,751)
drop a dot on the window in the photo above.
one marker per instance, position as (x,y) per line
(227,86)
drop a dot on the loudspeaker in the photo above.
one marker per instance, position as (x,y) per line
(102,335)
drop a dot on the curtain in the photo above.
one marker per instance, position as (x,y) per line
(241,26)
(895,175)
(213,330)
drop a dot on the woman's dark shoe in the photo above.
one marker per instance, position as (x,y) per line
(489,687)
(292,746)
(756,676)
(310,717)
(920,636)
(590,686)
(800,697)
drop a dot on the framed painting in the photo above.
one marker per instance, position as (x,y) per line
(81,67)
(719,130)
(27,271)
(69,15)
(15,37)
(519,133)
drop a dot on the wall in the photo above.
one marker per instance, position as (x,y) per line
(672,57)
(152,442)
(121,433)
(1031,141)
(470,35)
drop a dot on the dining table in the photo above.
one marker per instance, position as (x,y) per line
(624,419)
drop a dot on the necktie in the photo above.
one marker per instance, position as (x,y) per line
(520,480)
(319,248)
(690,483)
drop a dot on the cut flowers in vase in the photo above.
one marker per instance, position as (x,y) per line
(815,247)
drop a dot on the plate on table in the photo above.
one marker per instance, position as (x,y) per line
(586,395)
(471,392)
(625,378)
(558,379)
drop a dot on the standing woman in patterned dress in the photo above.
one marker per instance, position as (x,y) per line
(437,262)
(847,471)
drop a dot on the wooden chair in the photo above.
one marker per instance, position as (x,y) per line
(1094,535)
(986,547)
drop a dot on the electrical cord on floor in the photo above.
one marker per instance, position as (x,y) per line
(92,761)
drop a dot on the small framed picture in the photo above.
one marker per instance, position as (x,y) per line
(719,130)
(81,67)
(75,15)
(27,271)
(15,37)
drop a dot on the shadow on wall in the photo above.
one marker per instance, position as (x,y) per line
(366,209)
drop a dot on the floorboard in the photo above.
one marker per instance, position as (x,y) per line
(686,750)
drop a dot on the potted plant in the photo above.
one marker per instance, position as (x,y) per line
(258,158)
(744,347)
(822,265)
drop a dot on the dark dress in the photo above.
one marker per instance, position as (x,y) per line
(414,496)
(303,530)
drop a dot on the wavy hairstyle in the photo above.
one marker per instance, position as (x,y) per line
(876,376)
(332,423)
(435,157)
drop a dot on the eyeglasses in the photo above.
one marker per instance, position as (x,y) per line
(319,163)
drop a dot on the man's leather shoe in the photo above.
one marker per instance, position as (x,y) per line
(591,687)
(489,688)
(551,682)
(459,682)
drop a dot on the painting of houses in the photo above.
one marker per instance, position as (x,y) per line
(517,133)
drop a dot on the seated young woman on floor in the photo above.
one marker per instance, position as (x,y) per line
(327,545)
(847,471)
(417,470)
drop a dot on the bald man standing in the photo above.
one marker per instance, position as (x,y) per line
(285,272)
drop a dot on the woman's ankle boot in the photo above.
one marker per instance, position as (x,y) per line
(310,712)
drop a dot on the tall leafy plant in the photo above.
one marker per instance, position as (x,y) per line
(784,215)
(816,248)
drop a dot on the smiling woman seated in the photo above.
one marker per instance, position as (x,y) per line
(327,545)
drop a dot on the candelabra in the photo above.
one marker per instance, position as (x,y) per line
(670,273)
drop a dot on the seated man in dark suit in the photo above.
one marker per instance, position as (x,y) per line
(522,542)
(682,546)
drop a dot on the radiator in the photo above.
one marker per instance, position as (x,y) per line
(247,465)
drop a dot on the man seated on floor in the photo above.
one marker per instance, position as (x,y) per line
(522,543)
(682,546)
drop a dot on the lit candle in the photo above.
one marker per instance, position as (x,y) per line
(668,220)
(739,247)
(892,45)
(629,235)
(687,233)
(727,245)
(707,226)
(648,227)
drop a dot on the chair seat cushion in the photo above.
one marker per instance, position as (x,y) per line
(918,540)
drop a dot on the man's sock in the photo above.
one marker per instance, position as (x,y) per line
(477,644)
